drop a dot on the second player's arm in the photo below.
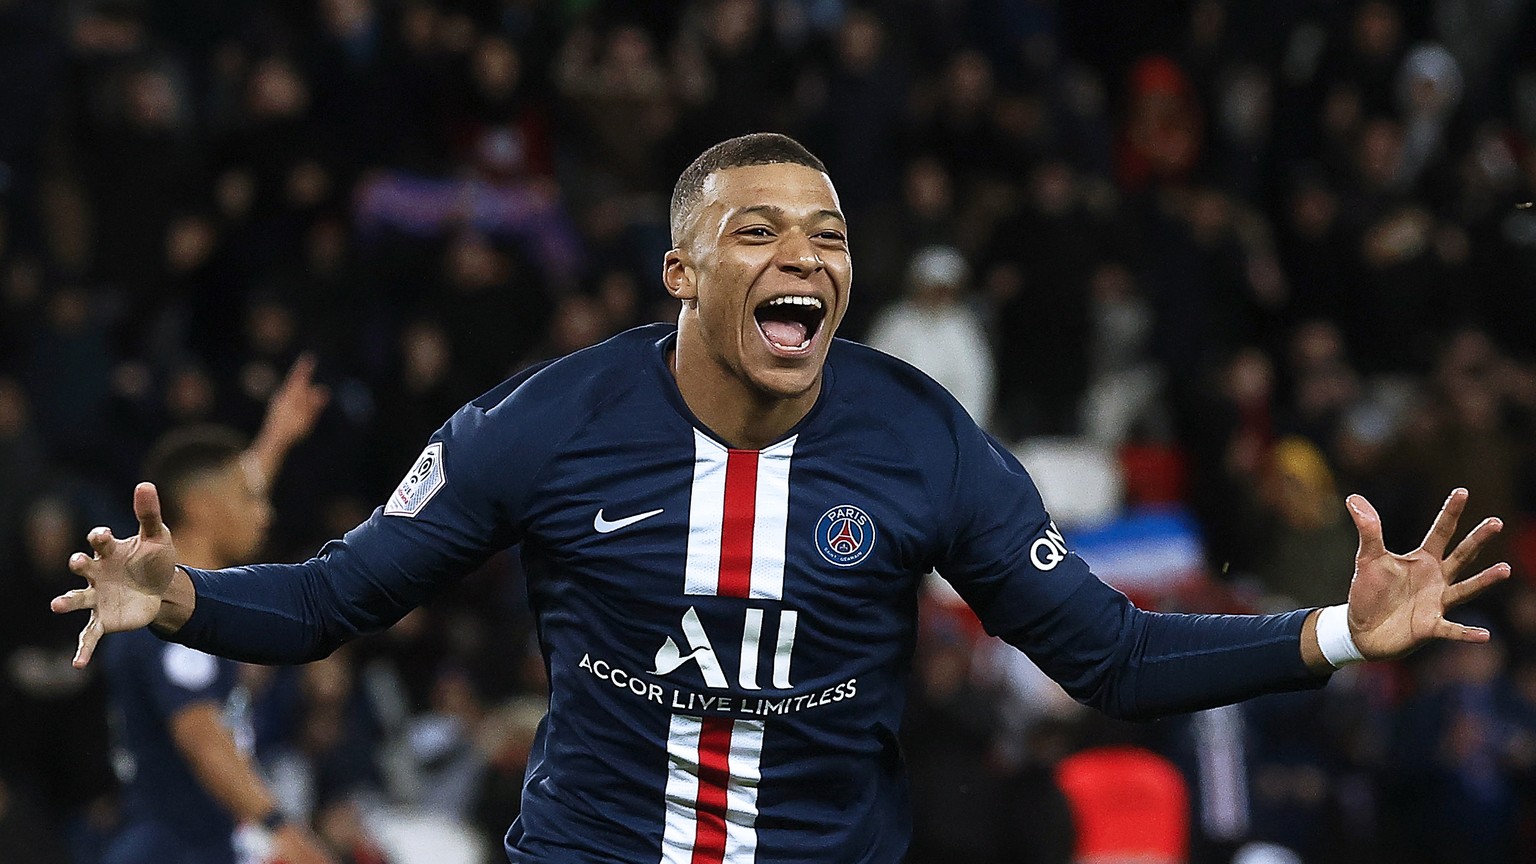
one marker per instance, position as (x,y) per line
(290,417)
(223,770)
(228,776)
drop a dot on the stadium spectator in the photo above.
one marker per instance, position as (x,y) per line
(936,329)
(1042,258)
(43,703)
(1308,533)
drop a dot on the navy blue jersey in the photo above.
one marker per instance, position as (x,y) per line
(728,632)
(149,681)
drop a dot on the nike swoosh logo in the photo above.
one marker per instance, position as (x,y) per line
(603,526)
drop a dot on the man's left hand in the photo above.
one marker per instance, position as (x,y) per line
(1397,603)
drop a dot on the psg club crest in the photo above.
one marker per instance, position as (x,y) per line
(845,535)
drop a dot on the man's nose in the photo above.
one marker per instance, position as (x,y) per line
(799,256)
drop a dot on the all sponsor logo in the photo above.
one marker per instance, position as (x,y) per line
(669,658)
(845,535)
(746,695)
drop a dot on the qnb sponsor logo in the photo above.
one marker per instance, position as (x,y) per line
(1048,551)
(701,651)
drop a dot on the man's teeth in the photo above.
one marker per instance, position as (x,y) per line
(795,301)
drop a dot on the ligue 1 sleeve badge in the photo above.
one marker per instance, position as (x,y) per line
(845,535)
(426,479)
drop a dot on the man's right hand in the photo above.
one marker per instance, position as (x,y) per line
(130,583)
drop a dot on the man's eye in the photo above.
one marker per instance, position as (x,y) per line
(834,236)
(755,231)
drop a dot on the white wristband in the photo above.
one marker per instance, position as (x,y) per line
(1333,637)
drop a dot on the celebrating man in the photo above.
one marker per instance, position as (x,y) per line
(724,526)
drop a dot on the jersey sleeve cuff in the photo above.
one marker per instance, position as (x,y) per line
(193,632)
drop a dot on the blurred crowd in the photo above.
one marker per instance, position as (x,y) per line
(1258,254)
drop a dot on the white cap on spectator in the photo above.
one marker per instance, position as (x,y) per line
(938,265)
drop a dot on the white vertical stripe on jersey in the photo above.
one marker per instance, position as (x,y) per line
(744,760)
(682,796)
(706,512)
(771,521)
(746,763)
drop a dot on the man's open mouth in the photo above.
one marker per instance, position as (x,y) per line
(790,323)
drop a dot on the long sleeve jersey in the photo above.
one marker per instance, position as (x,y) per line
(728,632)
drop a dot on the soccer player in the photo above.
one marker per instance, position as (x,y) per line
(180,720)
(724,525)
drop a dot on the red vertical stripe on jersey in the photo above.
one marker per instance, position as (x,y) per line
(736,527)
(714,775)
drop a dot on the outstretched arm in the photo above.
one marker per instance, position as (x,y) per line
(277,613)
(1015,570)
(291,416)
(1397,603)
(458,505)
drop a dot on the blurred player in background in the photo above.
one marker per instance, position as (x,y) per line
(724,526)
(180,717)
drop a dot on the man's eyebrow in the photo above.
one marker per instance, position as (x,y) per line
(775,212)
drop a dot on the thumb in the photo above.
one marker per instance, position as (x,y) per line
(1368,523)
(146,506)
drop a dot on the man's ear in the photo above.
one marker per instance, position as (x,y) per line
(678,276)
(197,497)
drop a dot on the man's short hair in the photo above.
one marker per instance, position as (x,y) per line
(185,456)
(759,148)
